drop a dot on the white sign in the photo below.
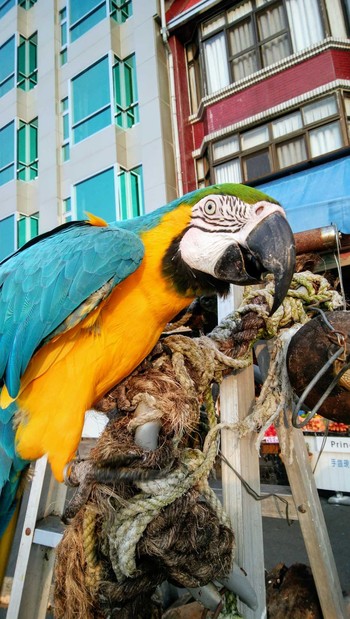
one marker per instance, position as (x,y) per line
(333,443)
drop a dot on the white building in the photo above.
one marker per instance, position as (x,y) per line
(84,114)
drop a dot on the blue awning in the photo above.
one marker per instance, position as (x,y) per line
(316,197)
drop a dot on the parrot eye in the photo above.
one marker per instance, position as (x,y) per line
(209,207)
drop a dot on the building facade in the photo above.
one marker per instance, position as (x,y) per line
(84,114)
(263,98)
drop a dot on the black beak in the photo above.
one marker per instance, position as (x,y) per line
(271,243)
(269,248)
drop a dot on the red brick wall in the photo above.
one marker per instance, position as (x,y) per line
(292,82)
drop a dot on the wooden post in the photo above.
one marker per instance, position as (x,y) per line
(311,519)
(236,399)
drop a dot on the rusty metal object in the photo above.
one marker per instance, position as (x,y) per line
(309,350)
(316,240)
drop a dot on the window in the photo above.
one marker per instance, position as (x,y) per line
(96,195)
(120,10)
(67,209)
(26,4)
(91,100)
(27,228)
(251,36)
(131,192)
(64,36)
(85,14)
(311,131)
(7,153)
(65,129)
(7,66)
(27,150)
(126,110)
(7,236)
(6,5)
(27,69)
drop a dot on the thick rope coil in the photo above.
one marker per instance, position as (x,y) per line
(131,521)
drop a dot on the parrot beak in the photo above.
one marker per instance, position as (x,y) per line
(269,247)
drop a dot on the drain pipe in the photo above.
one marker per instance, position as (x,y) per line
(175,127)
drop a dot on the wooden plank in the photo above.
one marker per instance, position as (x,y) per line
(314,530)
(236,397)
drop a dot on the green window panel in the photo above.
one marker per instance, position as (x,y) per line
(131,193)
(7,66)
(27,62)
(27,228)
(64,36)
(7,236)
(7,153)
(91,100)
(6,5)
(67,209)
(65,129)
(120,10)
(85,14)
(96,195)
(27,150)
(126,108)
(27,4)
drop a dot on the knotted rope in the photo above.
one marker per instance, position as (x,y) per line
(152,516)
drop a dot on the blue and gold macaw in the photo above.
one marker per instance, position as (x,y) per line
(81,306)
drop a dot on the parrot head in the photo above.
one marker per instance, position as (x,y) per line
(236,235)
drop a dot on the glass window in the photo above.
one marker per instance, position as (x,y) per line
(313,112)
(96,195)
(7,66)
(257,164)
(313,130)
(286,124)
(27,150)
(6,5)
(255,34)
(91,100)
(65,129)
(120,10)
(254,137)
(325,139)
(27,228)
(225,147)
(125,92)
(131,193)
(27,66)
(215,56)
(7,236)
(291,152)
(26,4)
(67,209)
(64,36)
(85,14)
(7,153)
(229,172)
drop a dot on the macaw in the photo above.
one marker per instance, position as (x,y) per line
(82,305)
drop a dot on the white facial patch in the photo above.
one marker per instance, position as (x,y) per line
(201,250)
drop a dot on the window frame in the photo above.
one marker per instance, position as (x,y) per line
(29,165)
(252,15)
(272,144)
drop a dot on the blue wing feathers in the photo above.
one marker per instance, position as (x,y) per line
(43,284)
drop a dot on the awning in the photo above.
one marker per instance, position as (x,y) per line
(316,197)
